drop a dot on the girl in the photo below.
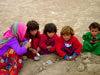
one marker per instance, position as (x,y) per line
(10,49)
(34,34)
(48,39)
(92,39)
(68,45)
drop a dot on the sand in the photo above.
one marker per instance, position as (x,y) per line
(78,14)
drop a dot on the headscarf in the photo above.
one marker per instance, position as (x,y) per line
(16,30)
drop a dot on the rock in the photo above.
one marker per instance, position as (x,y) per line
(52,12)
(49,62)
(41,68)
(81,67)
(93,67)
(44,63)
(86,61)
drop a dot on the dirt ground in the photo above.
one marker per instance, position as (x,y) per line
(76,13)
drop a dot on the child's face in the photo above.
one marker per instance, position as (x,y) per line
(50,34)
(94,31)
(66,37)
(33,32)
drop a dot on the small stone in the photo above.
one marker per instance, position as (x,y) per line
(44,63)
(52,12)
(41,68)
(49,62)
(81,67)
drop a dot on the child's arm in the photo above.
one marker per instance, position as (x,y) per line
(54,47)
(35,43)
(17,48)
(42,43)
(59,51)
(86,36)
(96,41)
(77,45)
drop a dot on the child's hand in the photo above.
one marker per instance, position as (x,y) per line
(30,49)
(96,41)
(91,41)
(27,44)
(37,50)
(68,58)
(34,51)
(71,57)
(48,47)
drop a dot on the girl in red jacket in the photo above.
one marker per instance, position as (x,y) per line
(68,45)
(48,39)
(33,34)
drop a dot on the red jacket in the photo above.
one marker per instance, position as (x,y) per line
(44,39)
(35,40)
(74,41)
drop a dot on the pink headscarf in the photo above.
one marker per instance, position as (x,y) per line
(21,31)
(17,30)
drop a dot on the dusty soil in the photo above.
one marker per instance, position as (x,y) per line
(76,13)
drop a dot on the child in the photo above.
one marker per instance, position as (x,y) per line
(48,39)
(68,45)
(92,39)
(34,34)
(10,49)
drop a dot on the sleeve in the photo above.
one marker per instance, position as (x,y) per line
(54,47)
(58,48)
(78,46)
(27,36)
(24,39)
(15,45)
(85,36)
(42,43)
(35,43)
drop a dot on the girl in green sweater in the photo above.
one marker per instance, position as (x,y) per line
(92,39)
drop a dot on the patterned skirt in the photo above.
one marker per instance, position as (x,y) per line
(10,63)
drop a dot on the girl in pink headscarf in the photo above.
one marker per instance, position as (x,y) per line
(11,49)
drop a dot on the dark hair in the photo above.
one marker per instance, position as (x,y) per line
(50,27)
(32,25)
(94,25)
(67,30)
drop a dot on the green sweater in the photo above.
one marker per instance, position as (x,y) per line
(88,47)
